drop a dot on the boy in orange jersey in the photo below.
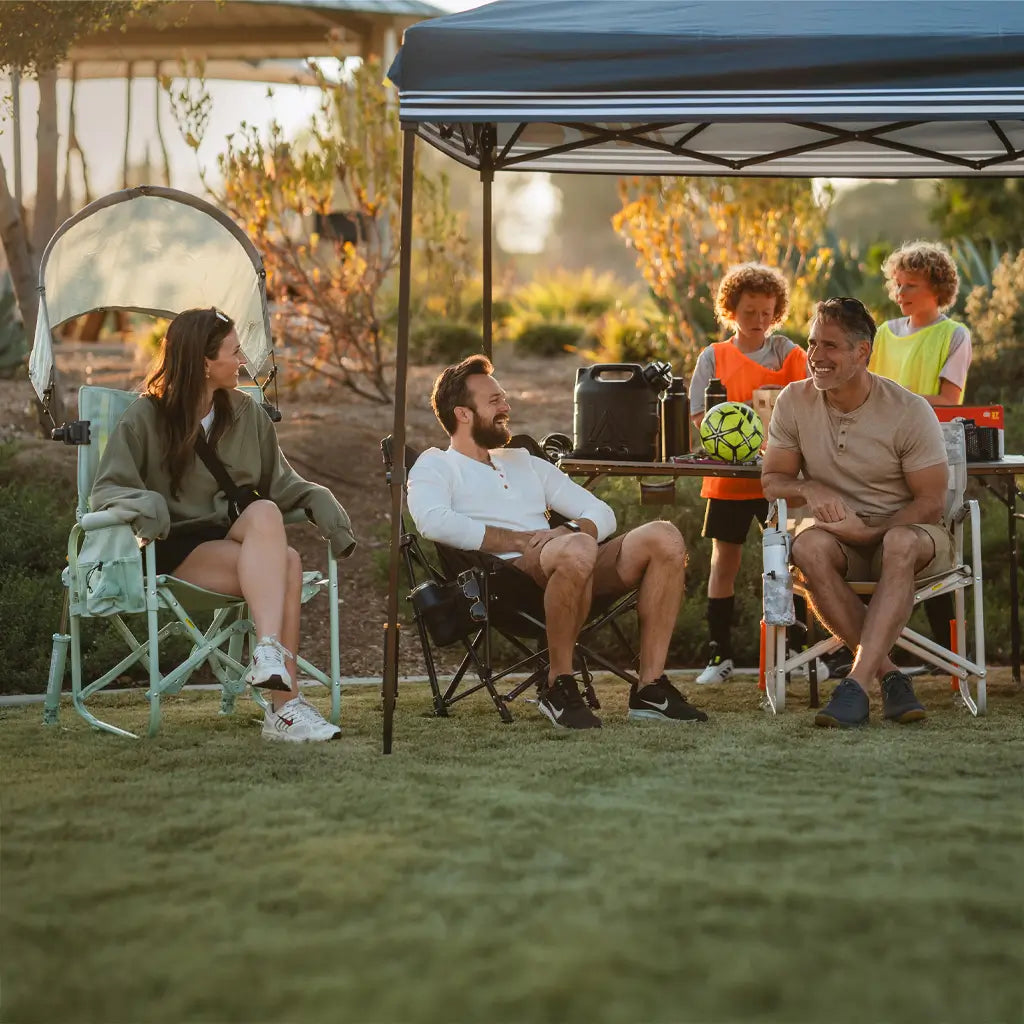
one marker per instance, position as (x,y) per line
(752,299)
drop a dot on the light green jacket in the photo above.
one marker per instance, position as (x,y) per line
(132,475)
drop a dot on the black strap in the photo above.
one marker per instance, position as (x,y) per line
(233,492)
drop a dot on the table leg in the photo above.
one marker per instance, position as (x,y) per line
(1011,506)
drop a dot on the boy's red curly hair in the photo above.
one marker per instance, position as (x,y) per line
(757,279)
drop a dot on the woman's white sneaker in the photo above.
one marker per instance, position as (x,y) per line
(267,670)
(298,722)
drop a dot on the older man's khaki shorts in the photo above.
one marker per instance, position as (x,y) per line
(864,562)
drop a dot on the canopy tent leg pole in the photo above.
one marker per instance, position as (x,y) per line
(127,123)
(16,119)
(390,689)
(487,137)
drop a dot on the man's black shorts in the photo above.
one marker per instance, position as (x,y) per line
(729,521)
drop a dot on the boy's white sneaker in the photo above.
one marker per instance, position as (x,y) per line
(718,671)
(298,722)
(267,670)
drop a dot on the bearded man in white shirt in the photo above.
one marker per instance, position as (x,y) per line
(478,495)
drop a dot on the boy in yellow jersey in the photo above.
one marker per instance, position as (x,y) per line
(923,350)
(752,300)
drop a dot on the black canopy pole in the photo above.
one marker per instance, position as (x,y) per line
(488,177)
(487,138)
(398,434)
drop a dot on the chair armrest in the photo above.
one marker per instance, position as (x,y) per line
(105,518)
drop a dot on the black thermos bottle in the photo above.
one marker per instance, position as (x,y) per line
(714,394)
(675,420)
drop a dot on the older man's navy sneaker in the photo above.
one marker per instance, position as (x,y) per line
(847,708)
(899,702)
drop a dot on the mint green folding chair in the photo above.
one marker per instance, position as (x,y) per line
(157,251)
(105,579)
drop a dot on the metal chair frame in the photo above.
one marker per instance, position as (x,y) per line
(230,625)
(963,576)
(522,628)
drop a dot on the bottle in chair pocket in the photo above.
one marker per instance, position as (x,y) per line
(777,579)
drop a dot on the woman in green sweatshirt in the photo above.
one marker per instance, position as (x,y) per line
(151,467)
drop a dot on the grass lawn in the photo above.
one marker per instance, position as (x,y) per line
(751,869)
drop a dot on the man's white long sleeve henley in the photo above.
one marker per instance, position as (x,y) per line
(453,498)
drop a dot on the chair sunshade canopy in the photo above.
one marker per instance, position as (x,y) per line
(151,250)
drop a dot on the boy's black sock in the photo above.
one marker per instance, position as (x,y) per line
(939,611)
(720,623)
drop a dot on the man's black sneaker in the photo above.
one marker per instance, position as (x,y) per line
(899,703)
(661,701)
(562,704)
(848,707)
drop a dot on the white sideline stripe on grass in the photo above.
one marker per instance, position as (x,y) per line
(17,699)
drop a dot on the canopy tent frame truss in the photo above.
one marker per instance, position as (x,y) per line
(476,145)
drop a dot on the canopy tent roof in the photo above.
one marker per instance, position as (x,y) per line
(852,88)
(255,30)
(150,250)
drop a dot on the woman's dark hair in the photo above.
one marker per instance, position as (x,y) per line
(851,316)
(177,381)
(450,389)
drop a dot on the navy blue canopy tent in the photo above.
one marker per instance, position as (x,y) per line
(837,88)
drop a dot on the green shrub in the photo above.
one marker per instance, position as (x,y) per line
(549,338)
(567,296)
(501,310)
(440,341)
(627,336)
(33,551)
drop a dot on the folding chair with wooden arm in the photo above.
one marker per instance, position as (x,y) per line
(442,614)
(105,579)
(965,662)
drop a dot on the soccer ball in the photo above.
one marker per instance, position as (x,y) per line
(732,432)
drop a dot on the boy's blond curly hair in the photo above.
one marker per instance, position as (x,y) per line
(755,278)
(933,261)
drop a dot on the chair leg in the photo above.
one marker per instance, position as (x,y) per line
(589,693)
(812,666)
(54,681)
(333,597)
(76,685)
(154,643)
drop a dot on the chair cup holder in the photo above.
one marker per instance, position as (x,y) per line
(445,610)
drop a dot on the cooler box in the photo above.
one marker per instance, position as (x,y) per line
(984,416)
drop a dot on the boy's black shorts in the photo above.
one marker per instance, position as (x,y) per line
(729,520)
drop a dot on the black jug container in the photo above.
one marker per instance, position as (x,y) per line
(714,394)
(675,420)
(615,413)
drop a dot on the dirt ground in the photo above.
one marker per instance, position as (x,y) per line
(329,436)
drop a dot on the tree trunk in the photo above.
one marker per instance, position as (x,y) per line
(44,219)
(24,273)
(24,279)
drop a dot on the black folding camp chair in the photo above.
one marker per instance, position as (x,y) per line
(470,599)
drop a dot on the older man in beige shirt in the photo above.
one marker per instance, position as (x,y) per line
(867,458)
